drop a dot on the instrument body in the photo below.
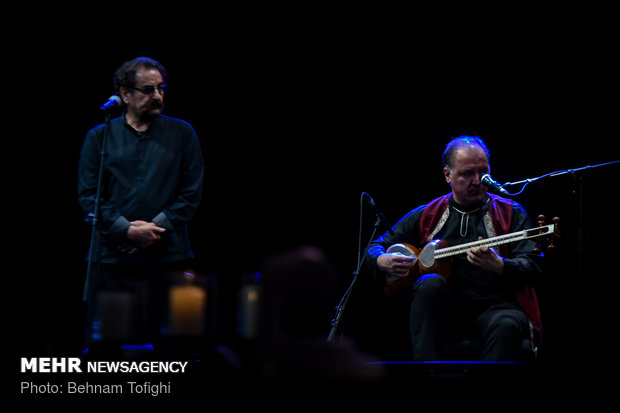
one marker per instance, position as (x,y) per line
(435,257)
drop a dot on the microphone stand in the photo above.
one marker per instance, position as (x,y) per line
(345,298)
(527,181)
(94,253)
(580,232)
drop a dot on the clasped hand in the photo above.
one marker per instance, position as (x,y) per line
(140,234)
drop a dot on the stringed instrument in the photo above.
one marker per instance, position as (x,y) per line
(434,257)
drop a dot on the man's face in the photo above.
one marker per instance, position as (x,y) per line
(146,99)
(469,163)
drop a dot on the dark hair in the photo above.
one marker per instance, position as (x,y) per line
(454,144)
(125,75)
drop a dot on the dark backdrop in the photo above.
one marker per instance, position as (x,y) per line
(294,126)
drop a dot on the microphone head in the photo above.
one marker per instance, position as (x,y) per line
(369,199)
(112,103)
(487,180)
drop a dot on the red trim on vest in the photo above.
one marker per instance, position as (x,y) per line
(501,212)
(501,216)
(431,215)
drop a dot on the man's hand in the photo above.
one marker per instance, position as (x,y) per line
(395,264)
(486,258)
(141,234)
(127,248)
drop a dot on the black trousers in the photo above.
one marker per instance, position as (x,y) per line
(438,317)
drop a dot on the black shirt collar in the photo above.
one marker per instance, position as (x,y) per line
(470,208)
(136,132)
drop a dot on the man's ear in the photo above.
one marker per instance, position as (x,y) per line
(446,174)
(123,91)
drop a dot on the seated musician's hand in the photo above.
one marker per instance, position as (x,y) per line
(486,258)
(395,264)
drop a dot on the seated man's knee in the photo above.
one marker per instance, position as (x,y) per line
(429,286)
(507,324)
(504,337)
(510,325)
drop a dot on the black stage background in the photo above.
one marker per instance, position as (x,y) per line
(295,125)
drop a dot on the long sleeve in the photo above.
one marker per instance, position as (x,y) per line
(155,176)
(405,231)
(111,222)
(521,263)
(187,197)
(522,267)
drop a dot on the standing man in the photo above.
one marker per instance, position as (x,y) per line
(487,290)
(152,185)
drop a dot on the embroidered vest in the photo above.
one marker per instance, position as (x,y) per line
(496,222)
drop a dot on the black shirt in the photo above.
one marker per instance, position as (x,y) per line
(155,176)
(475,286)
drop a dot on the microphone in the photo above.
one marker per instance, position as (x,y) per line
(382,217)
(488,181)
(112,103)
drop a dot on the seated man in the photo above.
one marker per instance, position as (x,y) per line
(488,290)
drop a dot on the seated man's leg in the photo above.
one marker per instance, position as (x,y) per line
(503,330)
(427,318)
